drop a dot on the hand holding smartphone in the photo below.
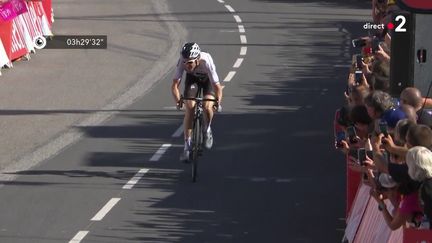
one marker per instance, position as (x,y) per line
(358,42)
(352,135)
(340,136)
(383,127)
(375,44)
(361,156)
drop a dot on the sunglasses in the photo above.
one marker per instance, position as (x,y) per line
(189,61)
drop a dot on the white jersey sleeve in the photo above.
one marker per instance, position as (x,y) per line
(211,68)
(179,70)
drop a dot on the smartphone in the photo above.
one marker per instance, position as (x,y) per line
(352,135)
(358,76)
(340,136)
(359,60)
(383,128)
(375,44)
(361,155)
(369,154)
(358,42)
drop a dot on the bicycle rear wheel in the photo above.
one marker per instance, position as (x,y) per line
(196,147)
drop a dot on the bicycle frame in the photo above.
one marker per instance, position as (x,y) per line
(197,131)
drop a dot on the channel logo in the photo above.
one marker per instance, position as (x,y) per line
(398,25)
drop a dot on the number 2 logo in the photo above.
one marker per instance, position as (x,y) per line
(400,27)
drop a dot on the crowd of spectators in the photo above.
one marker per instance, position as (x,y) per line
(387,139)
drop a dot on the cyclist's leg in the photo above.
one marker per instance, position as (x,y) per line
(208,113)
(189,92)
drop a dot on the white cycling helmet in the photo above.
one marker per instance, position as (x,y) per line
(191,50)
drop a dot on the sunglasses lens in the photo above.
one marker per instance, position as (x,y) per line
(189,61)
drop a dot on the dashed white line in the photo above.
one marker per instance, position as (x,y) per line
(237,18)
(243,39)
(79,237)
(131,183)
(243,51)
(178,132)
(221,1)
(104,211)
(241,28)
(160,152)
(229,76)
(230,8)
(238,63)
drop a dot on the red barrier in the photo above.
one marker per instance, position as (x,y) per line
(356,214)
(4,59)
(417,236)
(6,36)
(354,179)
(47,6)
(19,48)
(31,21)
(366,223)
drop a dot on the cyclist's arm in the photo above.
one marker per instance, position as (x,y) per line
(218,91)
(175,89)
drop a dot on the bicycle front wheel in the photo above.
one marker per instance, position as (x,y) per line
(196,147)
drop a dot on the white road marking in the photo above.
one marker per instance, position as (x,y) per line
(230,8)
(104,211)
(243,51)
(243,39)
(178,132)
(221,1)
(241,28)
(160,152)
(237,18)
(131,183)
(229,76)
(79,237)
(238,63)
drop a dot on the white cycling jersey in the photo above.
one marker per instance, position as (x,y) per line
(206,68)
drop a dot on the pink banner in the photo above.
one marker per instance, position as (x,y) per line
(19,6)
(7,11)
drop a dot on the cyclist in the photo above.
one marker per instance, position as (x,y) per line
(200,71)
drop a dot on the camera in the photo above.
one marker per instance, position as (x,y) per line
(352,135)
(358,43)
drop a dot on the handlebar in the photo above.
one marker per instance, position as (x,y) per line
(198,99)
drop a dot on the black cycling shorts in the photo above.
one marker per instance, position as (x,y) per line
(193,82)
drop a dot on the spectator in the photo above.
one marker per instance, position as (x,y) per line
(407,208)
(401,130)
(412,96)
(377,102)
(419,161)
(419,135)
